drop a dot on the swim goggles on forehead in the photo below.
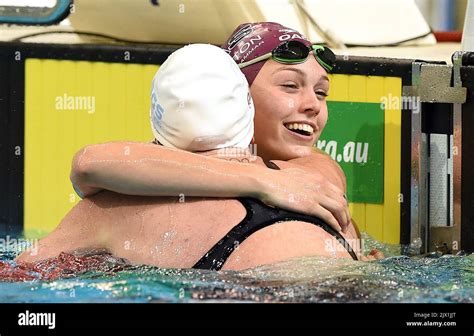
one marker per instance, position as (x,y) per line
(295,52)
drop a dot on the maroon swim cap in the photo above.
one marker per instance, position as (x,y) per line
(251,40)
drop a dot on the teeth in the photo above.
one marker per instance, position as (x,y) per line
(301,127)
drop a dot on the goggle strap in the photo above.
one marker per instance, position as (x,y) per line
(317,51)
(316,48)
(289,61)
(326,66)
(255,60)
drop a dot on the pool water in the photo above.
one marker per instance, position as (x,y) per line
(433,278)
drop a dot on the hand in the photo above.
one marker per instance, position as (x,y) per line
(309,193)
(373,255)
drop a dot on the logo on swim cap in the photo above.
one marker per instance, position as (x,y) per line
(293,36)
(252,40)
(157,109)
(238,36)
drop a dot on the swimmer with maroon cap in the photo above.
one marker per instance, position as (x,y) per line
(289,83)
(284,67)
(289,89)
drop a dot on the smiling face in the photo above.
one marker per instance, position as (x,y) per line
(290,108)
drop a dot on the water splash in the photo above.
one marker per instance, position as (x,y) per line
(432,278)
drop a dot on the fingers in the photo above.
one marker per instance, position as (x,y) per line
(338,210)
(376,254)
(348,212)
(348,216)
(337,195)
(373,255)
(314,195)
(327,217)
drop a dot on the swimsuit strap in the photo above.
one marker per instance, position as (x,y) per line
(259,215)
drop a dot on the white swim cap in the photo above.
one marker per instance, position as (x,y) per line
(201,101)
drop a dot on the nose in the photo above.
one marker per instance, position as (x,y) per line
(310,104)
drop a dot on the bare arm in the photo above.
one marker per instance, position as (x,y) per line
(134,168)
(151,170)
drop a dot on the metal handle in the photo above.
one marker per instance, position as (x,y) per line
(36,15)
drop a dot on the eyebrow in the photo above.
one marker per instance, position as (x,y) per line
(290,69)
(300,72)
(324,77)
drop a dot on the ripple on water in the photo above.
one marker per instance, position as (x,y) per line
(431,278)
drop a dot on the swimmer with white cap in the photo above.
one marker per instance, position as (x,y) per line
(201,101)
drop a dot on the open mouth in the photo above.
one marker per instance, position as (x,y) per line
(302,129)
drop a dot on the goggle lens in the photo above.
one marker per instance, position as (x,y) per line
(297,52)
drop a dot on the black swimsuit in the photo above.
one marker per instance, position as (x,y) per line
(259,215)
